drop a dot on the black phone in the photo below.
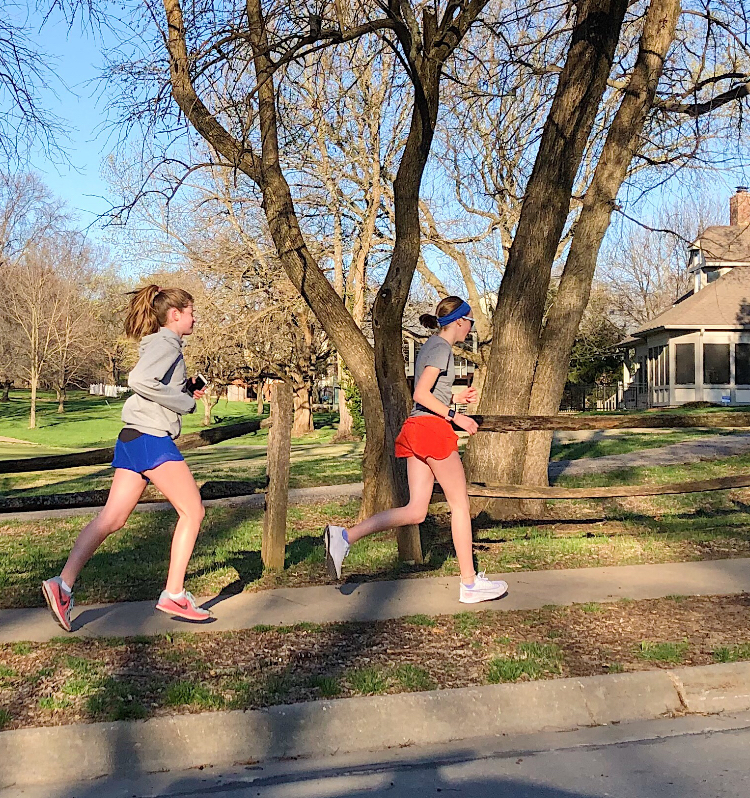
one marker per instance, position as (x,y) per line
(197,384)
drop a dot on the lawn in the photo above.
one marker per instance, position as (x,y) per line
(94,421)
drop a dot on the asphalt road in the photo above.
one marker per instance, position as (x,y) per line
(694,757)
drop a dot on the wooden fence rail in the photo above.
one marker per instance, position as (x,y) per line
(717,420)
(193,440)
(609,492)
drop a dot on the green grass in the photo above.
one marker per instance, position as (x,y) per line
(81,666)
(592,606)
(466,622)
(532,660)
(6,672)
(663,652)
(80,686)
(419,620)
(736,653)
(5,718)
(131,564)
(115,700)
(179,694)
(276,686)
(368,681)
(615,667)
(52,703)
(89,421)
(327,686)
(21,648)
(412,677)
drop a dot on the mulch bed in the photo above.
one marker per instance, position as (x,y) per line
(71,680)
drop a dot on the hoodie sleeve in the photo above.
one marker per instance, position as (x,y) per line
(147,379)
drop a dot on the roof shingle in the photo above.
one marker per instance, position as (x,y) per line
(728,243)
(722,303)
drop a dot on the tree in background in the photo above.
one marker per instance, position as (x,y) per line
(77,331)
(36,306)
(646,268)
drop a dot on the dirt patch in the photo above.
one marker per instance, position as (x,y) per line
(69,680)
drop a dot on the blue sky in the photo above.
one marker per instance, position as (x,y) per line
(76,98)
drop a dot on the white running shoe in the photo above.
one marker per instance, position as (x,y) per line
(482,590)
(336,549)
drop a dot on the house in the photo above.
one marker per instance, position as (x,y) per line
(699,349)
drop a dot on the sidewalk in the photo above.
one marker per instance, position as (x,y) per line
(712,447)
(373,601)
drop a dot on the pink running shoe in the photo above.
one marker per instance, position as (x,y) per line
(182,607)
(59,602)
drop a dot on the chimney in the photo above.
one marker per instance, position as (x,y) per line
(739,208)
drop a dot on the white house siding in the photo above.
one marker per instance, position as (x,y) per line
(648,356)
(700,391)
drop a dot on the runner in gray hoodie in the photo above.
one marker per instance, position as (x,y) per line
(145,451)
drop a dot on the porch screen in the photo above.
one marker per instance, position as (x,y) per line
(742,364)
(716,364)
(685,364)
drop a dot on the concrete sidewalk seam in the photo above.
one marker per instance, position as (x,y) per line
(225,739)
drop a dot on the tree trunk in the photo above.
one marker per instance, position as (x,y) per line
(61,395)
(33,384)
(5,396)
(573,292)
(273,543)
(345,431)
(209,401)
(522,296)
(388,311)
(303,418)
(259,395)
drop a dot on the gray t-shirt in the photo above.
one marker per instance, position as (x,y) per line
(437,352)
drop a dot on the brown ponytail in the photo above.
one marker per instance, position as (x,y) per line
(446,306)
(148,309)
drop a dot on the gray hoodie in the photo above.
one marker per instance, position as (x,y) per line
(158,381)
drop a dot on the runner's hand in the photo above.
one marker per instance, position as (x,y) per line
(198,394)
(466,423)
(466,397)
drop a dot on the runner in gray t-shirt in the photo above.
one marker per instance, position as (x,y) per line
(429,444)
(436,351)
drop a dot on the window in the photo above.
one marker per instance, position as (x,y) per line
(657,366)
(716,364)
(684,364)
(742,364)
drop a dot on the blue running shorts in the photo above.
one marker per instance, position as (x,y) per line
(144,452)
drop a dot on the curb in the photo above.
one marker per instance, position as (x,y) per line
(89,751)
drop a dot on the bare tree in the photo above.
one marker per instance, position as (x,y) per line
(76,345)
(36,306)
(646,266)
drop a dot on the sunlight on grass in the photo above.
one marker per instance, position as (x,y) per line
(662,652)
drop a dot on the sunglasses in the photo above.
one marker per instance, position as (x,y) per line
(468,318)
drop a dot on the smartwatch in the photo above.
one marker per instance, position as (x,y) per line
(451,415)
